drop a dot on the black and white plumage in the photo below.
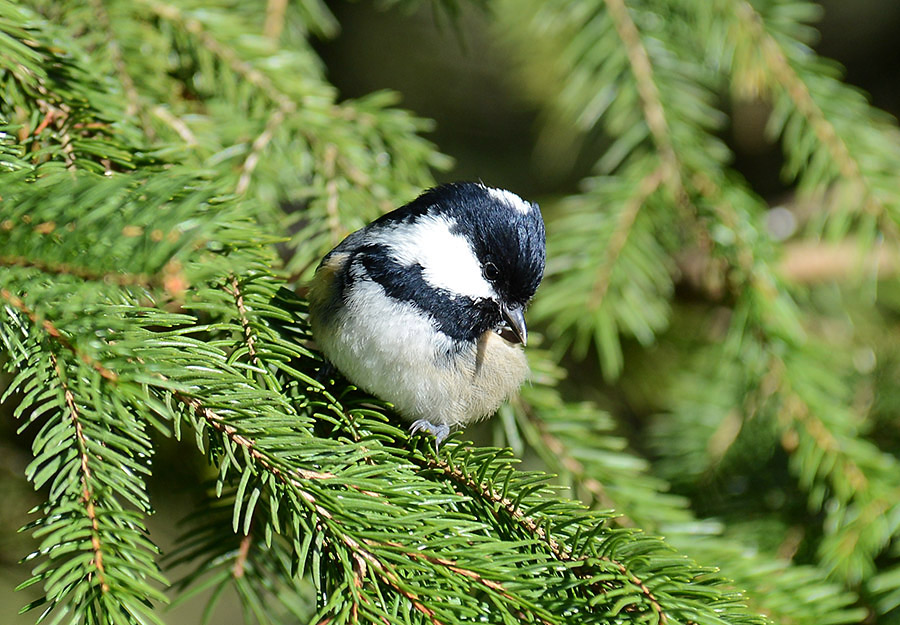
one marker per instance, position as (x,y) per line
(424,306)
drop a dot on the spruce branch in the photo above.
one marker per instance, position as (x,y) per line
(146,301)
(87,496)
(234,289)
(653,110)
(534,528)
(257,147)
(178,125)
(169,275)
(275,16)
(135,105)
(770,57)
(619,237)
(47,326)
(230,56)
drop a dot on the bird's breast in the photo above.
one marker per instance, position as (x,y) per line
(395,351)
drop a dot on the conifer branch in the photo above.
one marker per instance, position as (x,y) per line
(557,449)
(388,575)
(796,88)
(292,478)
(274,24)
(176,124)
(67,269)
(534,528)
(87,495)
(796,412)
(257,148)
(231,58)
(135,106)
(654,112)
(321,472)
(56,334)
(619,237)
(237,571)
(249,338)
(449,564)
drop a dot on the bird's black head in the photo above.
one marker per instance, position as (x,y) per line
(506,233)
(470,255)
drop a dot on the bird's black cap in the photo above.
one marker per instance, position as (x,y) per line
(504,230)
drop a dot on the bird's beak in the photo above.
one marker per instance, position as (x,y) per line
(516,319)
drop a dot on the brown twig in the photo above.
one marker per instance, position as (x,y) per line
(112,277)
(249,338)
(171,278)
(59,115)
(54,332)
(48,117)
(619,237)
(87,495)
(654,113)
(274,24)
(449,564)
(115,53)
(237,571)
(534,528)
(388,576)
(806,262)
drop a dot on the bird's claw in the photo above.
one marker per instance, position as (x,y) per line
(440,432)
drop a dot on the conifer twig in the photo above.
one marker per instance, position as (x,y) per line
(177,124)
(67,269)
(87,494)
(256,149)
(237,571)
(274,24)
(292,478)
(234,61)
(648,185)
(559,551)
(115,52)
(654,112)
(55,333)
(785,75)
(249,337)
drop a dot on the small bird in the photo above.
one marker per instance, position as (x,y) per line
(424,307)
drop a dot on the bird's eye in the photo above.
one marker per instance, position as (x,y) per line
(490,271)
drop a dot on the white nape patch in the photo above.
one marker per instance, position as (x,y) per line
(447,259)
(510,198)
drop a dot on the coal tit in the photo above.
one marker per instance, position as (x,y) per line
(424,306)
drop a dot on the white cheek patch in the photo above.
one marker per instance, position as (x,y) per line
(448,261)
(508,197)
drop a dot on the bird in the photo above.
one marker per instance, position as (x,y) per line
(424,306)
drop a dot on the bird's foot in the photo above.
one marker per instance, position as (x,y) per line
(440,432)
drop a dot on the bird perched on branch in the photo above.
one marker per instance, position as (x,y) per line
(424,307)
